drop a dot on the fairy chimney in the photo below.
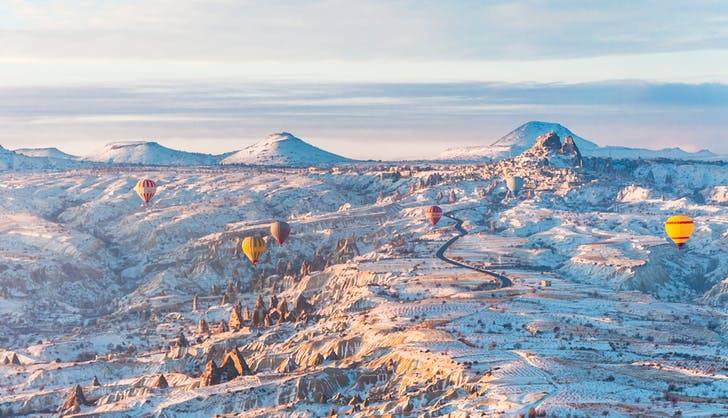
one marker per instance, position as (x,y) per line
(222,326)
(235,322)
(194,303)
(202,327)
(257,319)
(211,375)
(246,314)
(73,402)
(283,309)
(259,303)
(272,302)
(160,382)
(233,365)
(182,340)
(95,382)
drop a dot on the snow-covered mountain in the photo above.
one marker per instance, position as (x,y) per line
(150,153)
(51,152)
(283,149)
(515,142)
(523,137)
(11,160)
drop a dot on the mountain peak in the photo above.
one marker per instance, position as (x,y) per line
(49,152)
(523,137)
(283,148)
(149,153)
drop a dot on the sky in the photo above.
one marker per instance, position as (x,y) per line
(367,79)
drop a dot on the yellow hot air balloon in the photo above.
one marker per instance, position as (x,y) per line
(679,228)
(253,247)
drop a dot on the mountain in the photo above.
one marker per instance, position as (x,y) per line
(515,142)
(283,149)
(150,153)
(523,137)
(11,160)
(45,152)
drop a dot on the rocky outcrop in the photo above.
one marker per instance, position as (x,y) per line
(12,359)
(74,401)
(549,150)
(211,375)
(287,366)
(233,365)
(202,327)
(160,382)
(236,317)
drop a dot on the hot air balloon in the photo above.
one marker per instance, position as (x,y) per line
(146,189)
(279,231)
(514,184)
(679,228)
(253,247)
(433,214)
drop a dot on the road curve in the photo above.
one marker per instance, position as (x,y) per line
(504,281)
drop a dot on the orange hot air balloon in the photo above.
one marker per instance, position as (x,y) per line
(433,214)
(679,228)
(279,231)
(146,189)
(253,247)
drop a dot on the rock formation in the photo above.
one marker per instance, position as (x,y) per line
(95,382)
(236,318)
(211,375)
(13,360)
(551,151)
(287,366)
(233,365)
(74,401)
(160,382)
(202,327)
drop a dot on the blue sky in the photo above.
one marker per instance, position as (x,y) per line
(354,75)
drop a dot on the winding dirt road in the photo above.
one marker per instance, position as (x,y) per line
(503,280)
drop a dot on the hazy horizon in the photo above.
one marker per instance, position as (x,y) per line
(366,80)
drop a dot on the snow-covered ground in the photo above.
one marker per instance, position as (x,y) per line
(604,317)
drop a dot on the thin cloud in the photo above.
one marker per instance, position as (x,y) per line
(375,120)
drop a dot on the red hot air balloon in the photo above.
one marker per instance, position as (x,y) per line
(433,214)
(146,189)
(280,230)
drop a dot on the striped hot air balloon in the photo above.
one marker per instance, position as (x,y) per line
(279,231)
(146,189)
(433,214)
(679,228)
(253,248)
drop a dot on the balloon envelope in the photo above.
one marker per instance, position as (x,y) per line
(146,189)
(253,247)
(679,228)
(279,231)
(514,184)
(433,214)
